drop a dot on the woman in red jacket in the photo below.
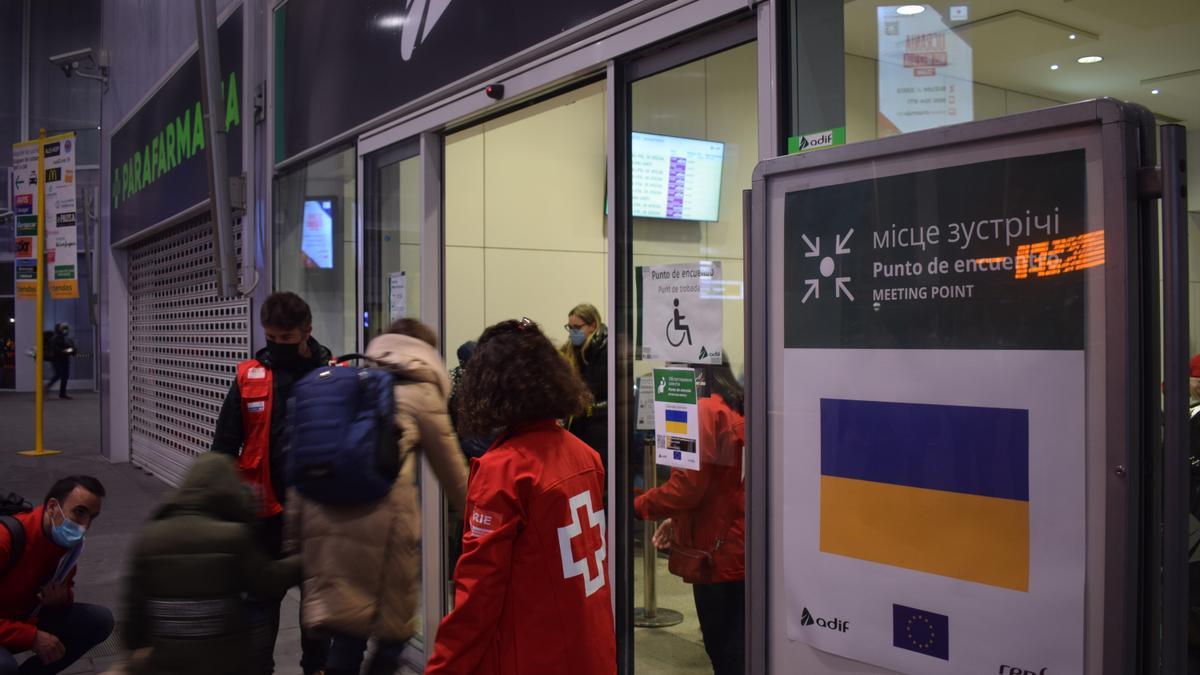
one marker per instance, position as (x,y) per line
(705,526)
(534,555)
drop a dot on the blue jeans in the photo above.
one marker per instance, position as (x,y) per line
(79,627)
(346,654)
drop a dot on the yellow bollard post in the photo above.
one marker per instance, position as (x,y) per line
(39,360)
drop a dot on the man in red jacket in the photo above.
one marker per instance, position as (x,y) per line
(38,611)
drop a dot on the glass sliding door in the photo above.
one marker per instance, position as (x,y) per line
(391,266)
(692,146)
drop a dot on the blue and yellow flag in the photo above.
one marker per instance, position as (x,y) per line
(676,421)
(941,489)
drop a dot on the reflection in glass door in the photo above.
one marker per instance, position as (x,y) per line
(391,268)
(693,146)
(391,289)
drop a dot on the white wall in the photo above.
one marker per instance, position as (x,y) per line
(525,217)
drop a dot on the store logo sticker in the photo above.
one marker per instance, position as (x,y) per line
(817,141)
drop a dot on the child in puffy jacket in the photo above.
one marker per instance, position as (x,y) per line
(193,565)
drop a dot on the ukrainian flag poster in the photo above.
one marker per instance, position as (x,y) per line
(676,418)
(936,507)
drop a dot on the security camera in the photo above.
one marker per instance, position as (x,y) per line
(71,59)
(74,62)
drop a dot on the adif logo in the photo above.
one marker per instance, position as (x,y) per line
(591,566)
(839,625)
(419,18)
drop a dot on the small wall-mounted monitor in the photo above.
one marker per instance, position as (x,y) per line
(316,243)
(676,178)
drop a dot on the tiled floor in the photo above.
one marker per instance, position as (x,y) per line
(74,428)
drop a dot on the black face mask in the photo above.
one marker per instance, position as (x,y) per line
(283,355)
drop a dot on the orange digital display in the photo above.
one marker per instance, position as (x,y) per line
(1059,256)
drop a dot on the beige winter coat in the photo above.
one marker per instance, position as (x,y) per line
(362,563)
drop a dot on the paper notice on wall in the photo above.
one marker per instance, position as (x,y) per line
(24,192)
(61,240)
(398,293)
(925,71)
(682,312)
(645,409)
(676,418)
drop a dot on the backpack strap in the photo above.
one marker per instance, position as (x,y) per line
(16,537)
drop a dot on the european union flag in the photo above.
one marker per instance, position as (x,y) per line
(920,631)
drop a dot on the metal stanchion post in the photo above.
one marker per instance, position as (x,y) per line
(649,615)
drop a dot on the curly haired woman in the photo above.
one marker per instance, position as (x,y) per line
(534,551)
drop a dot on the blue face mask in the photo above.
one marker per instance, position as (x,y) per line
(68,533)
(578,337)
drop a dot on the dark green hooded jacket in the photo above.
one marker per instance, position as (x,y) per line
(193,565)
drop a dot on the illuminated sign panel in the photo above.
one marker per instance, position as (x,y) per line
(980,256)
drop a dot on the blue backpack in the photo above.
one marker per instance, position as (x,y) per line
(342,434)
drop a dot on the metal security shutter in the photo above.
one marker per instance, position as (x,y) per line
(185,344)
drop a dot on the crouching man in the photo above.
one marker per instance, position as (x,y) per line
(38,553)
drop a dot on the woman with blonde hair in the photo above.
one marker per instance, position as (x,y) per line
(587,352)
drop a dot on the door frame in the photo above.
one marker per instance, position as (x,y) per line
(428,148)
(736,30)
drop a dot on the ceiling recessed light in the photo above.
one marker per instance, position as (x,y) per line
(909,10)
(1091,59)
(1072,36)
(1054,67)
(1154,91)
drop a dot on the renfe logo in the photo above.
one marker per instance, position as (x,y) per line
(839,625)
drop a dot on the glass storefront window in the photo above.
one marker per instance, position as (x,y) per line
(315,245)
(914,67)
(693,150)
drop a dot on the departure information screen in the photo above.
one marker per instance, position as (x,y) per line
(676,178)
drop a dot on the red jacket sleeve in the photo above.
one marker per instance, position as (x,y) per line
(494,516)
(15,635)
(684,490)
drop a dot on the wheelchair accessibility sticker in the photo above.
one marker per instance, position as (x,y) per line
(682,318)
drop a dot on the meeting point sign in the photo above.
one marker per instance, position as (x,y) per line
(933,412)
(981,256)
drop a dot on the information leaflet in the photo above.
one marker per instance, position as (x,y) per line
(933,416)
(925,72)
(398,292)
(645,407)
(25,205)
(676,418)
(62,252)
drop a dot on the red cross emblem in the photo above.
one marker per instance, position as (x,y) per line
(584,537)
